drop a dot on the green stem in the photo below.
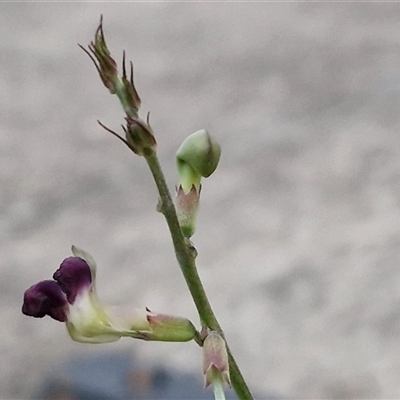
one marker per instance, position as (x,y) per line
(186,254)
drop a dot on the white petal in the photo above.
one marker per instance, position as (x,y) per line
(78,337)
(127,319)
(77,252)
(88,321)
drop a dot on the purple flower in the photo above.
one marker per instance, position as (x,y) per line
(71,298)
(73,276)
(46,298)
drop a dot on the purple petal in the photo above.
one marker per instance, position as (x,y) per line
(74,275)
(45,298)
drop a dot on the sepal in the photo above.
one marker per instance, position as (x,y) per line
(215,359)
(168,328)
(187,205)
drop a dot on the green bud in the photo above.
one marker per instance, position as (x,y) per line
(197,157)
(167,328)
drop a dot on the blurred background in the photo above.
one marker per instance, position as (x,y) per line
(298,233)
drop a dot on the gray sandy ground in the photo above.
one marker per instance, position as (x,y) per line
(298,235)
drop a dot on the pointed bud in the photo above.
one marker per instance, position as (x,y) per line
(106,66)
(139,137)
(187,205)
(167,328)
(104,63)
(127,94)
(215,360)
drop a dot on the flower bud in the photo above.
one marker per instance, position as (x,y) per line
(106,66)
(128,95)
(104,63)
(167,328)
(215,360)
(197,157)
(139,137)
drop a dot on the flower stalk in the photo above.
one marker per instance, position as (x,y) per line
(186,259)
(140,139)
(218,389)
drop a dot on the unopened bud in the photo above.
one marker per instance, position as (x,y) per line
(199,151)
(106,66)
(197,157)
(139,137)
(215,360)
(127,92)
(104,63)
(167,328)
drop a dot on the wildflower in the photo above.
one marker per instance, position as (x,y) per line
(71,297)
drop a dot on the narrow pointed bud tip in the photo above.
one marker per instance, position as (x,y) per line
(106,66)
(215,359)
(104,63)
(128,93)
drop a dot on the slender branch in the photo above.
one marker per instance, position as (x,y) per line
(141,141)
(186,254)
